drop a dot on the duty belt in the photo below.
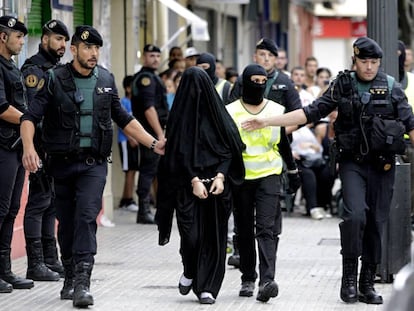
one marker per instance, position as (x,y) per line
(88,159)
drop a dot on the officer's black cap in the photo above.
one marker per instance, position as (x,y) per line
(267,44)
(86,34)
(57,27)
(151,48)
(13,24)
(365,47)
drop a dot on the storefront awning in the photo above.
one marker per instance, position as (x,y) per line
(199,27)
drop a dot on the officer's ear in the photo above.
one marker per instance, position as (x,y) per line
(3,37)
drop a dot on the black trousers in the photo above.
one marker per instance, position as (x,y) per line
(256,205)
(203,231)
(147,171)
(40,213)
(367,194)
(79,187)
(11,185)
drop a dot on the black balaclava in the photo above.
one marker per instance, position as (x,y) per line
(401,60)
(211,60)
(252,92)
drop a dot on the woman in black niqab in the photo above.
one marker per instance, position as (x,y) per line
(202,157)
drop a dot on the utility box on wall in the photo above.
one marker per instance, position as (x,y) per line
(396,240)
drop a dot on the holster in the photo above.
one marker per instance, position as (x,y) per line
(42,179)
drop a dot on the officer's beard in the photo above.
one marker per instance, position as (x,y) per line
(85,65)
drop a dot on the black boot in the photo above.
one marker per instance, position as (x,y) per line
(5,287)
(8,276)
(36,268)
(367,291)
(234,259)
(82,298)
(51,256)
(349,279)
(67,290)
(144,213)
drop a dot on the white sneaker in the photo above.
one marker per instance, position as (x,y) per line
(106,222)
(328,214)
(132,207)
(317,213)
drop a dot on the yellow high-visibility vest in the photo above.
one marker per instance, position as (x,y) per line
(261,157)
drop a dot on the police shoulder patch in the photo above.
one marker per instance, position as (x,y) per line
(40,85)
(31,80)
(145,81)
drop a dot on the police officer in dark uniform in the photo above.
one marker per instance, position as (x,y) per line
(77,102)
(40,214)
(280,89)
(149,106)
(13,103)
(373,115)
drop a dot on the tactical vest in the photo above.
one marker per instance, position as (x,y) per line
(15,93)
(360,106)
(61,126)
(160,99)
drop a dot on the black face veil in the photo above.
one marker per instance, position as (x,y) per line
(200,132)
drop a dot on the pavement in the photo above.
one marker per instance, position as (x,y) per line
(133,273)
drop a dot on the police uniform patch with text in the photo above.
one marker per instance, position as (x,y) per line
(41,83)
(31,80)
(145,81)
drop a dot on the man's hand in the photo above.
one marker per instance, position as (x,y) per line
(253,124)
(160,146)
(294,182)
(31,160)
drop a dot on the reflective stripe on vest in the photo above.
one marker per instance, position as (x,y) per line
(220,86)
(261,156)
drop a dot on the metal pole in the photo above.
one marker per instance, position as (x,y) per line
(382,21)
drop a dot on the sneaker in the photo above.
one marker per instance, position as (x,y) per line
(247,289)
(184,285)
(317,213)
(206,298)
(328,214)
(128,205)
(267,291)
(132,207)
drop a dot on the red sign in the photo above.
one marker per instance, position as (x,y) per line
(331,27)
(359,28)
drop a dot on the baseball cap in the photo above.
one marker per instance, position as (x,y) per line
(191,51)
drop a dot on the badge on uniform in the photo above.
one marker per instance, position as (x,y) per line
(145,81)
(31,80)
(41,83)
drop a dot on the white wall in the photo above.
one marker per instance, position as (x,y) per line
(333,53)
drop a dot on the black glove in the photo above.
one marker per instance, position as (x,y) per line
(294,182)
